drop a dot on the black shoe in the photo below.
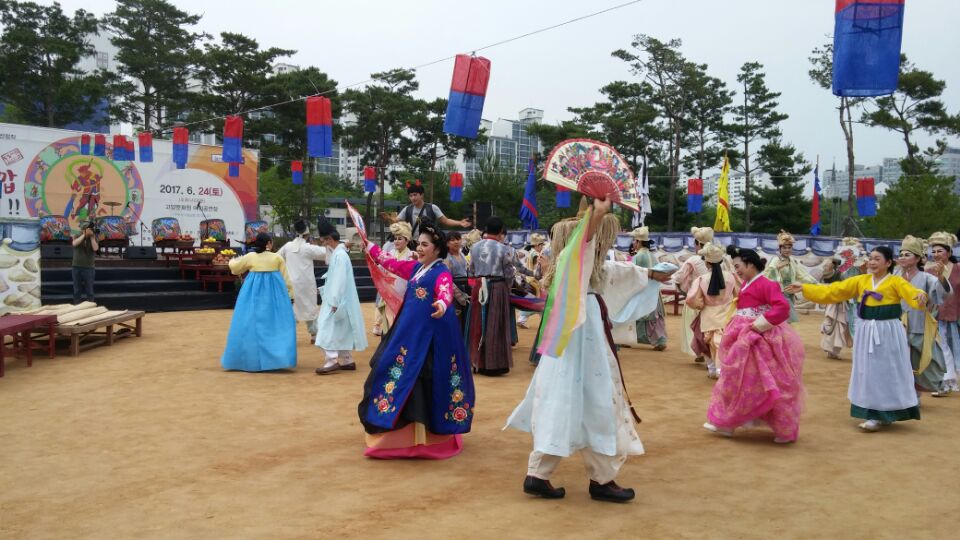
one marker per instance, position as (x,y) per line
(542,488)
(349,367)
(328,370)
(610,492)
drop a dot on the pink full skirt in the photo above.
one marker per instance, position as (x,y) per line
(761,378)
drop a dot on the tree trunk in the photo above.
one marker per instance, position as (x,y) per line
(846,124)
(746,162)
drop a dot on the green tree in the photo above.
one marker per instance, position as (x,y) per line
(707,133)
(40,51)
(781,205)
(384,110)
(500,185)
(551,135)
(289,203)
(669,74)
(821,73)
(156,54)
(915,106)
(755,120)
(919,205)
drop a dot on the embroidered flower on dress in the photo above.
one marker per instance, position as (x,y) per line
(389,387)
(421,293)
(457,395)
(395,372)
(460,414)
(383,405)
(455,380)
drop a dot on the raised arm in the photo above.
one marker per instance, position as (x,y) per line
(833,293)
(403,269)
(913,296)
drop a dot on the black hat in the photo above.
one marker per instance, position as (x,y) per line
(324,227)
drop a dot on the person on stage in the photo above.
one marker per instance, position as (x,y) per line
(577,402)
(419,399)
(714,295)
(652,329)
(785,269)
(761,360)
(691,269)
(340,324)
(946,269)
(419,212)
(399,249)
(490,331)
(881,383)
(299,255)
(263,329)
(932,360)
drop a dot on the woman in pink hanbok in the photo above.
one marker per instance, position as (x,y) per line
(761,360)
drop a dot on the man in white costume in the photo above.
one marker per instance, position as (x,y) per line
(578,402)
(299,254)
(340,328)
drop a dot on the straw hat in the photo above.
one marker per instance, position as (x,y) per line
(472,237)
(785,238)
(401,229)
(537,239)
(641,233)
(943,238)
(913,245)
(712,253)
(704,235)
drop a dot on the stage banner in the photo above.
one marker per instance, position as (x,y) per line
(44,173)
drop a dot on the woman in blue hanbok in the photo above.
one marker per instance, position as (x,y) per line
(263,330)
(418,399)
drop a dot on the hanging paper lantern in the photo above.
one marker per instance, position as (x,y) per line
(131,149)
(181,141)
(296,170)
(695,195)
(118,148)
(319,127)
(233,139)
(233,170)
(85,144)
(866,198)
(563,197)
(99,145)
(146,146)
(369,179)
(866,47)
(468,90)
(456,187)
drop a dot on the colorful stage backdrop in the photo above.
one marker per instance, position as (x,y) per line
(44,173)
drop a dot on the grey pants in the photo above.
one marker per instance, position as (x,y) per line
(83,283)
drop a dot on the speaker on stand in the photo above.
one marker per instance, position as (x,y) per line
(56,251)
(140,253)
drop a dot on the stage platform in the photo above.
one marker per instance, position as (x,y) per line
(156,286)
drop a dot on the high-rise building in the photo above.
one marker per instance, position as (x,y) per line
(508,145)
(948,164)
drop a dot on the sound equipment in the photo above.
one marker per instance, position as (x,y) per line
(140,252)
(481,213)
(56,251)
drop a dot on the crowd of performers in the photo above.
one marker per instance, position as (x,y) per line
(459,315)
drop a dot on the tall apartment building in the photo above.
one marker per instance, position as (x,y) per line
(948,164)
(508,144)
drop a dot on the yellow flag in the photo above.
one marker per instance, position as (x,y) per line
(722,223)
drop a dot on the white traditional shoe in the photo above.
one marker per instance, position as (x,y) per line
(718,430)
(778,440)
(376,331)
(870,425)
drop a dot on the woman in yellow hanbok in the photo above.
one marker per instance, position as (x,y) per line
(881,387)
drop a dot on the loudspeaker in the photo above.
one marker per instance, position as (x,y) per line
(140,252)
(481,213)
(56,251)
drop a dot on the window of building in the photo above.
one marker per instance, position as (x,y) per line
(103,60)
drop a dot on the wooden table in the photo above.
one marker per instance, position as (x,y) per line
(178,255)
(676,297)
(24,325)
(194,265)
(83,337)
(219,275)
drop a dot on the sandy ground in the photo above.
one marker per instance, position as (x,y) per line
(151,439)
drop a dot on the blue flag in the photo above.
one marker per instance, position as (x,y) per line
(815,204)
(528,211)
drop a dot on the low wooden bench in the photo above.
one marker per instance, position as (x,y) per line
(218,277)
(102,332)
(675,298)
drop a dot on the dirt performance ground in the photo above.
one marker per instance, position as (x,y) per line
(151,439)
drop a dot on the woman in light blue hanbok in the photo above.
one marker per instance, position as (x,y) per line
(263,330)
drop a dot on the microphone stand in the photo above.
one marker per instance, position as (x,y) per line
(143,227)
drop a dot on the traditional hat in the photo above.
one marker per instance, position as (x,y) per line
(704,235)
(640,233)
(401,229)
(712,253)
(785,238)
(537,239)
(472,237)
(943,238)
(913,245)
(325,228)
(851,241)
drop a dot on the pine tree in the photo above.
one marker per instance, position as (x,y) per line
(782,205)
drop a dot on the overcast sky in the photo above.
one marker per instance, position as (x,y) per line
(349,39)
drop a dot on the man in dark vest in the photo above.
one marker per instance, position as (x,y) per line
(417,211)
